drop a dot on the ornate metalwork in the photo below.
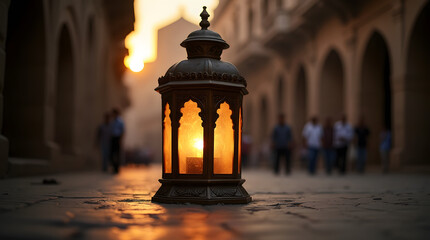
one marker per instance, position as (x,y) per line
(207,81)
(216,76)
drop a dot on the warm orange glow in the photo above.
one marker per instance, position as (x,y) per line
(198,144)
(133,63)
(167,138)
(224,141)
(196,226)
(150,17)
(190,140)
(240,141)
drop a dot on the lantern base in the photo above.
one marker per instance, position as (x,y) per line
(205,192)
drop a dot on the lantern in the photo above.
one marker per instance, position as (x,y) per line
(202,124)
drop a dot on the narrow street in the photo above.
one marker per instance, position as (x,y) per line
(93,205)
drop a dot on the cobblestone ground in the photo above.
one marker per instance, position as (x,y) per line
(103,206)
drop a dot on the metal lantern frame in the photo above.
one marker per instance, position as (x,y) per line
(208,82)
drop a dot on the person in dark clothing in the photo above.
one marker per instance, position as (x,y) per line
(361,133)
(282,143)
(246,149)
(385,148)
(103,141)
(117,132)
(343,134)
(329,152)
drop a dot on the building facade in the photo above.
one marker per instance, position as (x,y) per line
(61,65)
(143,117)
(324,58)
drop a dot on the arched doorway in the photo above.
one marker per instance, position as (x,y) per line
(24,88)
(375,94)
(264,121)
(300,103)
(64,109)
(331,87)
(263,137)
(248,117)
(91,112)
(418,91)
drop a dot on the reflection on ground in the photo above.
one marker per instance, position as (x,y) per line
(104,206)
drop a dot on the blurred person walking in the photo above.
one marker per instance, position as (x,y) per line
(329,153)
(384,148)
(116,132)
(312,134)
(343,135)
(246,149)
(282,143)
(103,141)
(362,132)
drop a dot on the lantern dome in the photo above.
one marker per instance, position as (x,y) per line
(202,69)
(204,48)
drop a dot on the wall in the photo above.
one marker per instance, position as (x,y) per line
(63,71)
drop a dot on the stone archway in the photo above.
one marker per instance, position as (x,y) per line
(25,78)
(331,95)
(417,91)
(65,88)
(375,94)
(300,103)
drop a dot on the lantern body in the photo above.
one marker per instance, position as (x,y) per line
(202,125)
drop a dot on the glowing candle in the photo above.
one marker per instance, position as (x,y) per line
(195,164)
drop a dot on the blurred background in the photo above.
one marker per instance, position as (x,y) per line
(63,64)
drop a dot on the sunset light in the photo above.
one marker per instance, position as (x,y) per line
(134,63)
(150,17)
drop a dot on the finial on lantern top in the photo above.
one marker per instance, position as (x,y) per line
(204,23)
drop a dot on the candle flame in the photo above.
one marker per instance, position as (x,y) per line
(198,144)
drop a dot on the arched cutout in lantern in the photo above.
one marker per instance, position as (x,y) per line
(223,141)
(167,140)
(190,140)
(202,124)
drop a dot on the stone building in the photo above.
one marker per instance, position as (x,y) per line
(324,58)
(143,117)
(61,65)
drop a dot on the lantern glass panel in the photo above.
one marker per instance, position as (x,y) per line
(190,140)
(167,140)
(240,141)
(224,141)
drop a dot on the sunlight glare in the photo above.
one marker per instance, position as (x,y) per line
(150,17)
(133,63)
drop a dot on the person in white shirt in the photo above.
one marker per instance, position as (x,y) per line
(312,134)
(343,134)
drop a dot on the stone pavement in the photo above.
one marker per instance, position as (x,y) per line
(102,206)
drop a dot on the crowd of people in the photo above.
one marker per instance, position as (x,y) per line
(109,139)
(331,141)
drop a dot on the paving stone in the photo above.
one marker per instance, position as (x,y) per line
(94,205)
